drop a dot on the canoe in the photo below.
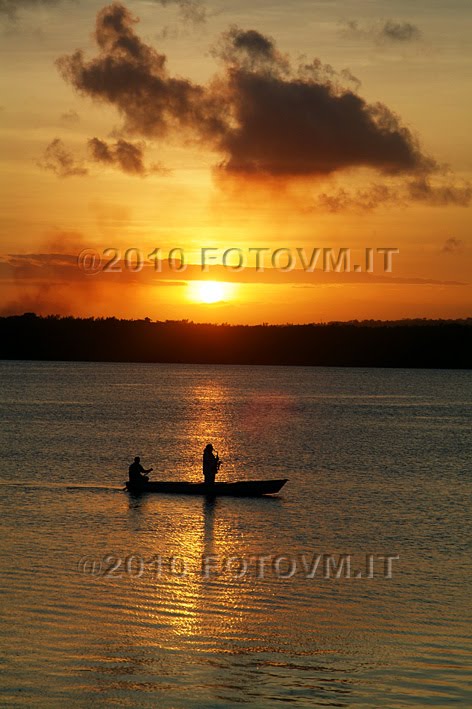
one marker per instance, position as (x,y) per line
(244,488)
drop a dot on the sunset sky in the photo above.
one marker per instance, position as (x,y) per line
(247,125)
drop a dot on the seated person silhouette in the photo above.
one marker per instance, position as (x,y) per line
(211,464)
(137,474)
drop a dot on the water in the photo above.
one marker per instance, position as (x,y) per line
(378,462)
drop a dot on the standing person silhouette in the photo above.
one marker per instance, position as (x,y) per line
(211,464)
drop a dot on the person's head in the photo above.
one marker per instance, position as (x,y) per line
(209,447)
(137,459)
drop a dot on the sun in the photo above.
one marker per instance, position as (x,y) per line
(210,291)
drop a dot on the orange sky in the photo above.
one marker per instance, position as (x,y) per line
(178,132)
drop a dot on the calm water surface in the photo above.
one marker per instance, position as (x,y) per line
(378,463)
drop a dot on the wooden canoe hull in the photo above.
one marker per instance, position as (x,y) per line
(244,488)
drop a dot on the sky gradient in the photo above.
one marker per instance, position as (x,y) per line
(165,125)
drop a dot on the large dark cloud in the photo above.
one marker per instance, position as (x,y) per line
(262,115)
(133,77)
(301,127)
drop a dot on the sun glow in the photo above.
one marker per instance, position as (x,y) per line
(210,291)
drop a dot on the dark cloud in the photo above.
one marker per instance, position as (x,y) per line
(453,246)
(123,155)
(352,30)
(251,51)
(191,11)
(451,192)
(400,31)
(316,71)
(260,114)
(252,42)
(100,151)
(134,78)
(299,127)
(363,200)
(127,156)
(59,160)
(348,76)
(419,189)
(381,32)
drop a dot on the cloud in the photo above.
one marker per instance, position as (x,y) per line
(439,195)
(453,246)
(10,8)
(250,51)
(348,76)
(61,270)
(123,155)
(42,299)
(300,127)
(70,117)
(400,31)
(260,114)
(39,282)
(191,11)
(58,160)
(60,241)
(128,157)
(46,282)
(362,200)
(388,31)
(133,77)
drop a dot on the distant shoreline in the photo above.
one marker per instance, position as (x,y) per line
(429,344)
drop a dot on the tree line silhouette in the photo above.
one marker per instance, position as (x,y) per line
(403,343)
